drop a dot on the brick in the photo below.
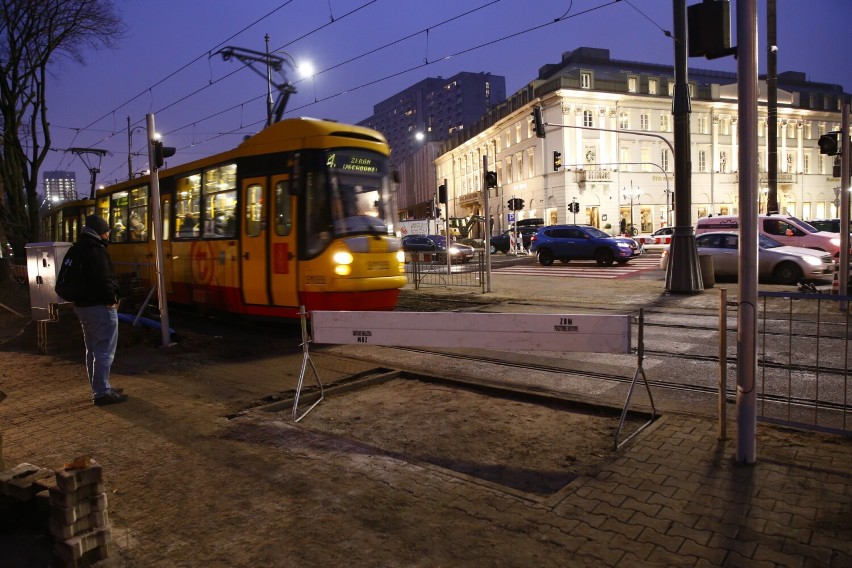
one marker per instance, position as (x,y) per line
(71,515)
(66,500)
(70,480)
(74,548)
(20,482)
(62,531)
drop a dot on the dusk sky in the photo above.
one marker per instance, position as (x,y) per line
(362,51)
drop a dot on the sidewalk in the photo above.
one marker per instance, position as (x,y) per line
(191,481)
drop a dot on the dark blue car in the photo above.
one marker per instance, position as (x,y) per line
(581,242)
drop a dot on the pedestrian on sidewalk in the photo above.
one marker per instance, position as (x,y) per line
(97,309)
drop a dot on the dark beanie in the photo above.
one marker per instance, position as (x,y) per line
(98,224)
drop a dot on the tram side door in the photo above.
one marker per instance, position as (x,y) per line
(283,263)
(254,268)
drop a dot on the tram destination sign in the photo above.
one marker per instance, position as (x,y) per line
(360,162)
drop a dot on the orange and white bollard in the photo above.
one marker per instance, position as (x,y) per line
(835,284)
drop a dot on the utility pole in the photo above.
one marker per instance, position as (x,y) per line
(772,107)
(683,273)
(83,154)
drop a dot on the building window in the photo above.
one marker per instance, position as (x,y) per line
(632,84)
(723,162)
(691,89)
(588,119)
(725,126)
(646,159)
(665,124)
(624,120)
(531,163)
(702,125)
(671,88)
(652,86)
(664,159)
(507,139)
(585,80)
(518,132)
(509,170)
(644,120)
(807,165)
(519,165)
(624,158)
(702,161)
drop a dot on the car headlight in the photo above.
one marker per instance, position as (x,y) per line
(400,255)
(813,260)
(836,241)
(454,250)
(623,245)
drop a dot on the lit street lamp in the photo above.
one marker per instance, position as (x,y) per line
(631,194)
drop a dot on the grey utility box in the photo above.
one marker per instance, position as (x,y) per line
(43,263)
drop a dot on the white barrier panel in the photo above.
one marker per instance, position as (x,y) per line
(542,332)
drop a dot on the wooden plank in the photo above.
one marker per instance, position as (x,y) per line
(581,333)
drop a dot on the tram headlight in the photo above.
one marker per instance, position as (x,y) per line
(343,263)
(400,256)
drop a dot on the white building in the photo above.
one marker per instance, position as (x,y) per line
(625,170)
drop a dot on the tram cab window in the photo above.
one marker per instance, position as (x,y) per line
(283,211)
(357,204)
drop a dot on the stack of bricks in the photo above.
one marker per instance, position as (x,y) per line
(78,517)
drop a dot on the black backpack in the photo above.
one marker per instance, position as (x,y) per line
(70,282)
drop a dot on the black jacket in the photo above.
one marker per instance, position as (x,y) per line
(101,281)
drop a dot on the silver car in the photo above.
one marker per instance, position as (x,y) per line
(776,262)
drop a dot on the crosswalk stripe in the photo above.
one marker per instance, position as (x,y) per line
(583,270)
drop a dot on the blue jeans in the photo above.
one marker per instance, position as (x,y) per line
(100,334)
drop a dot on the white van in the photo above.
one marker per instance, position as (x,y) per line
(785,229)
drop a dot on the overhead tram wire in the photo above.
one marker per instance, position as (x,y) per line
(563,18)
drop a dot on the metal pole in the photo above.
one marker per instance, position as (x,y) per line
(772,107)
(129,150)
(269,102)
(845,160)
(683,273)
(157,222)
(447,230)
(485,192)
(723,363)
(747,294)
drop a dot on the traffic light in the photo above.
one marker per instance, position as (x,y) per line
(442,193)
(557,160)
(161,153)
(829,143)
(490,179)
(574,207)
(511,204)
(516,204)
(538,121)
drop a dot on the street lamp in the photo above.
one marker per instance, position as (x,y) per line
(130,132)
(631,194)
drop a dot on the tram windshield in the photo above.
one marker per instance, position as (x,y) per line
(360,194)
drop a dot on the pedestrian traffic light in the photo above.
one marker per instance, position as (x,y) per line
(490,179)
(538,121)
(557,160)
(442,193)
(161,153)
(829,143)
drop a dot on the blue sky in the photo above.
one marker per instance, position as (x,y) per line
(362,52)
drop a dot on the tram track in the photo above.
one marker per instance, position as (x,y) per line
(620,379)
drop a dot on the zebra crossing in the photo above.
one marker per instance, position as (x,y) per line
(584,268)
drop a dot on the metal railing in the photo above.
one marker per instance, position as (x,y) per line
(803,361)
(427,269)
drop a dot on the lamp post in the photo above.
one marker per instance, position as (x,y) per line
(130,132)
(631,194)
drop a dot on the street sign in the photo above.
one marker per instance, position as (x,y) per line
(511,217)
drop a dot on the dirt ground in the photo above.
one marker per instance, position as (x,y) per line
(216,381)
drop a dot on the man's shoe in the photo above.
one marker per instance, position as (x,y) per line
(111,397)
(119,390)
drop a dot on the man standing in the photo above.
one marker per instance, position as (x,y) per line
(97,309)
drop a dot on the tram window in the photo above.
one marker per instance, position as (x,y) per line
(167,215)
(318,226)
(103,208)
(254,210)
(220,201)
(187,207)
(283,211)
(138,219)
(118,206)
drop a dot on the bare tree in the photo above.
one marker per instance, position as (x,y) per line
(33,33)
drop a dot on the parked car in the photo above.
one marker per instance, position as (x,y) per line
(659,239)
(785,229)
(581,242)
(775,262)
(437,244)
(828,225)
(501,242)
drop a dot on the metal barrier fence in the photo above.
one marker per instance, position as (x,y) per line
(425,269)
(803,375)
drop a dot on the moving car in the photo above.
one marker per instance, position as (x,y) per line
(659,239)
(501,242)
(776,262)
(437,244)
(581,242)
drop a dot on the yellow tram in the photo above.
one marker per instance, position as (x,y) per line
(300,214)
